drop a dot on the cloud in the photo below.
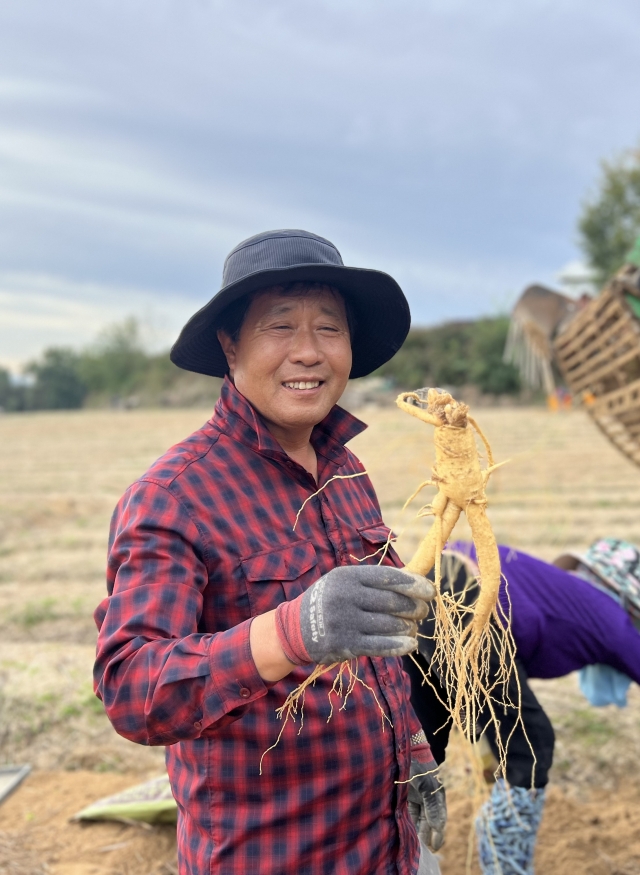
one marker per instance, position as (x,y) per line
(40,311)
(449,143)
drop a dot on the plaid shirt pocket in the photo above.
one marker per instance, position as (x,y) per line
(278,575)
(376,544)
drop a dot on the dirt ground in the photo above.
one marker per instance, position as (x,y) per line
(60,476)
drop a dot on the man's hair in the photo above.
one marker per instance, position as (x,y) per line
(232,317)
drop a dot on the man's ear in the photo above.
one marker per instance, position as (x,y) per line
(228,348)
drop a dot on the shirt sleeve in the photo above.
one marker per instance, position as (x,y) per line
(162,681)
(622,640)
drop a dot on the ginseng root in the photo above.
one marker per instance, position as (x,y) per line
(464,635)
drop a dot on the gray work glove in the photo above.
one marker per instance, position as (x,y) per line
(355,610)
(427,804)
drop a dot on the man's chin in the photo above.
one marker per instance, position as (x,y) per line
(303,414)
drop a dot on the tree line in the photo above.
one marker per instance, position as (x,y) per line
(113,369)
(117,370)
(456,354)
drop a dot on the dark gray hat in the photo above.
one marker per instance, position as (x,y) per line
(379,306)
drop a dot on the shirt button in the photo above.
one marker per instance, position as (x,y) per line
(245,692)
(197,724)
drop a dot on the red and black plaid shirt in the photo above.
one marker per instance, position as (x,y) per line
(202,543)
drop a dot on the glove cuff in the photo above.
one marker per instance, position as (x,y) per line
(421,751)
(290,634)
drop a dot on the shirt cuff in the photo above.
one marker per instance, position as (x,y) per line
(236,682)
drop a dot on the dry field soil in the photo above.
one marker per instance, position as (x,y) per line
(60,476)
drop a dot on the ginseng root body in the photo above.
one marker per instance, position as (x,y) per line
(464,636)
(461,482)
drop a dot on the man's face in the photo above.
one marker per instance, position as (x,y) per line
(292,358)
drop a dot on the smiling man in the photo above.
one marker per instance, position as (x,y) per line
(222,597)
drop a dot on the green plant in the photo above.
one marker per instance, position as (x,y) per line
(69,710)
(588,727)
(77,606)
(34,613)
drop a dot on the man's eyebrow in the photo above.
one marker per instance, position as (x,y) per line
(331,311)
(280,309)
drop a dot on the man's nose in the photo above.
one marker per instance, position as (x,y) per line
(305,348)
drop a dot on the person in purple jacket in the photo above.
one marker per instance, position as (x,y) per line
(581,613)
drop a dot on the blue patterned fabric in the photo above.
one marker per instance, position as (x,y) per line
(507,827)
(618,563)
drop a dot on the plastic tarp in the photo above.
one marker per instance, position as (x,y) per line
(151,802)
(10,778)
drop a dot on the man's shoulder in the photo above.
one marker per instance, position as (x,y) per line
(176,462)
(352,461)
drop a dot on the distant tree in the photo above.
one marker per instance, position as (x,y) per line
(6,391)
(411,364)
(455,354)
(450,360)
(610,221)
(116,362)
(487,370)
(58,384)
(13,395)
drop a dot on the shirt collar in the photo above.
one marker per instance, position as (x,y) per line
(235,416)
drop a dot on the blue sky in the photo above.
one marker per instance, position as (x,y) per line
(449,143)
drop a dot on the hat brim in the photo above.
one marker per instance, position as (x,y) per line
(380,308)
(570,561)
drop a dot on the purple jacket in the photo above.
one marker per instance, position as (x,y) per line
(562,623)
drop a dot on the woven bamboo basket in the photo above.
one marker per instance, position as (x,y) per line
(598,354)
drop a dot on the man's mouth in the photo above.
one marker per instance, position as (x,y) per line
(302,384)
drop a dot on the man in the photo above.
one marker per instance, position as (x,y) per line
(231,575)
(581,613)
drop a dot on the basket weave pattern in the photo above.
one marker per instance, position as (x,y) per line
(598,354)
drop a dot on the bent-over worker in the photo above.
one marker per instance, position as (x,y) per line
(218,608)
(581,613)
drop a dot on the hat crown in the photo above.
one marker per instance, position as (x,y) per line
(618,563)
(614,553)
(273,250)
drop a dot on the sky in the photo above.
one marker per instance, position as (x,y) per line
(450,143)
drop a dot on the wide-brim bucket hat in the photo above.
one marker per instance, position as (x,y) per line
(380,309)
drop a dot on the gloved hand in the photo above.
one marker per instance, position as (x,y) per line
(427,804)
(354,610)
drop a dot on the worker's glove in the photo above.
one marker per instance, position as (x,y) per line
(427,803)
(355,610)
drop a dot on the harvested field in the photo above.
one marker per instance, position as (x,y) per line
(60,476)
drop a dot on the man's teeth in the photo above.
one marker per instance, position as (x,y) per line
(307,385)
